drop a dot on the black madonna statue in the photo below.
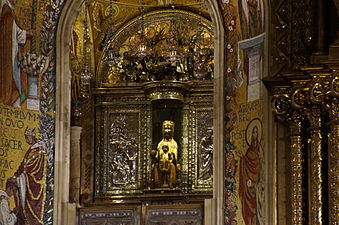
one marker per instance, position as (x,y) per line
(165,164)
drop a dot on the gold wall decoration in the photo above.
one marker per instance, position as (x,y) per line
(307,98)
(178,45)
(182,214)
(170,214)
(117,114)
(291,35)
(121,215)
(124,139)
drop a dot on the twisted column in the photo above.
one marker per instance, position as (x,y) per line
(316,181)
(296,170)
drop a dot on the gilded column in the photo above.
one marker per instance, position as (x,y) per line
(296,169)
(315,150)
(333,162)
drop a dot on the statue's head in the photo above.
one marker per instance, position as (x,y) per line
(209,132)
(30,136)
(168,129)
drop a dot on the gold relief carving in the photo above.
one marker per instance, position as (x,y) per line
(281,104)
(291,34)
(317,93)
(296,169)
(128,66)
(314,97)
(316,166)
(299,99)
(110,184)
(146,143)
(335,87)
(123,139)
(166,90)
(204,145)
(186,160)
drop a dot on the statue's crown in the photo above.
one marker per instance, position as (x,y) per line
(168,122)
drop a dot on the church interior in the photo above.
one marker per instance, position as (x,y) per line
(169,112)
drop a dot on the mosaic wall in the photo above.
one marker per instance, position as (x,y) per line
(244,153)
(27,110)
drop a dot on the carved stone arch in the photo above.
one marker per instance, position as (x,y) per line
(64,211)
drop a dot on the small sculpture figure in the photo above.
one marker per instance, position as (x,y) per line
(164,159)
(206,155)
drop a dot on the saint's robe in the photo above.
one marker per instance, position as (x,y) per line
(13,84)
(31,181)
(248,178)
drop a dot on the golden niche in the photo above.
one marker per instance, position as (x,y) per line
(165,166)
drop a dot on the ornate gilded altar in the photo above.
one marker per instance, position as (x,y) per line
(128,127)
(135,90)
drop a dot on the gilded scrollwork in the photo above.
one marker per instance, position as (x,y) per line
(299,98)
(317,93)
(335,86)
(281,104)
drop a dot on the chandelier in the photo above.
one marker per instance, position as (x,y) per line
(172,46)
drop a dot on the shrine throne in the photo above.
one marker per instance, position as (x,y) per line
(129,110)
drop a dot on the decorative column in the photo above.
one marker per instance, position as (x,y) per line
(284,111)
(316,180)
(311,90)
(296,169)
(333,164)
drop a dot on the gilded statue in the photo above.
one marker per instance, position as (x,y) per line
(165,164)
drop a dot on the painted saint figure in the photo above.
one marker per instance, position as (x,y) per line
(13,84)
(30,180)
(165,165)
(249,175)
